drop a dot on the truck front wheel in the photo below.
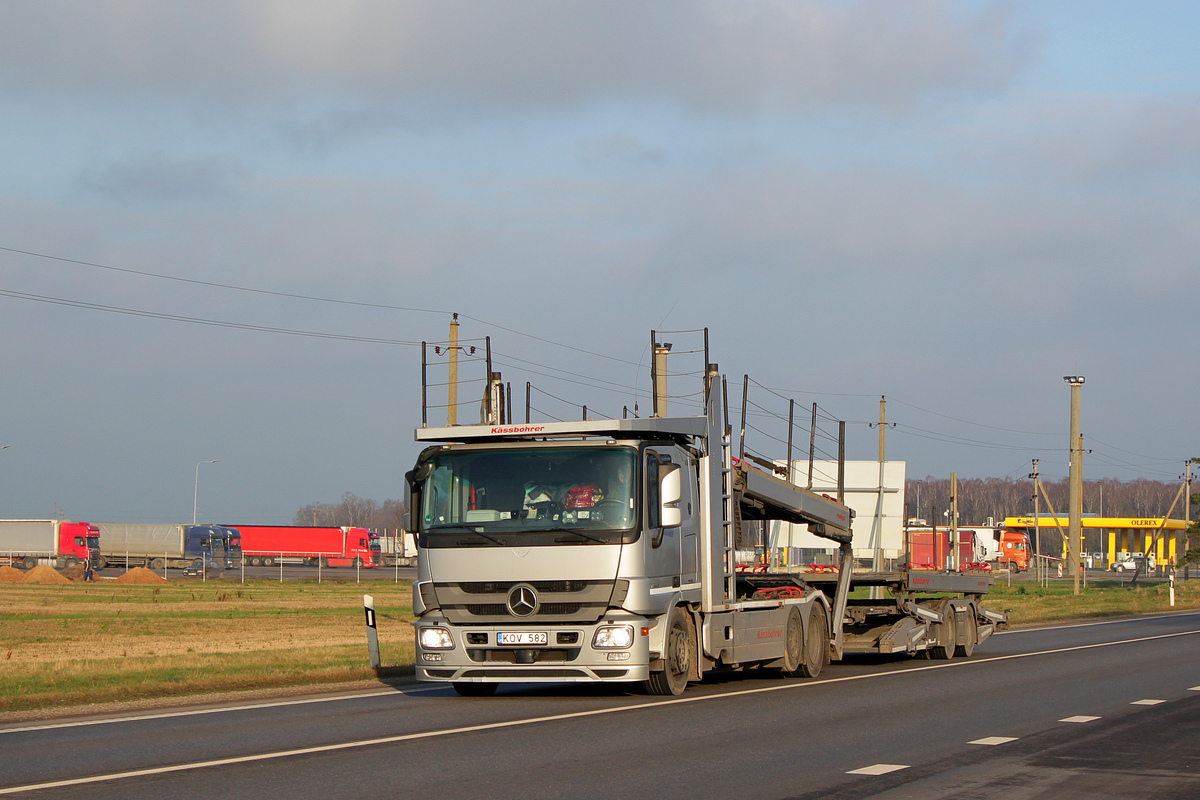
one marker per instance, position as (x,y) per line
(678,656)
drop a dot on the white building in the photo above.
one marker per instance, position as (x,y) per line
(876,497)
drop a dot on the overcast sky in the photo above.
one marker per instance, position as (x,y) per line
(950,204)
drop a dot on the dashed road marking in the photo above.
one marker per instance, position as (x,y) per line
(994,740)
(877,769)
(1146,702)
(1080,718)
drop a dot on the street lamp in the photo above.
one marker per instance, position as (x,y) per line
(196,493)
(1075,486)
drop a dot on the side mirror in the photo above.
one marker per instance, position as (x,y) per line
(670,492)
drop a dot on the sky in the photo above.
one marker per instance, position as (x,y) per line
(227,226)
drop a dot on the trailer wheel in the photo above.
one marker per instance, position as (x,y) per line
(268,562)
(946,635)
(816,644)
(970,635)
(157,564)
(101,563)
(29,562)
(678,656)
(323,562)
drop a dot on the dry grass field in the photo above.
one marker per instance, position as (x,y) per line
(67,644)
(79,643)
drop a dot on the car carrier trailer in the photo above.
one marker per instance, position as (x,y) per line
(604,551)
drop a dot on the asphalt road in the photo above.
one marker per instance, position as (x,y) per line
(1107,709)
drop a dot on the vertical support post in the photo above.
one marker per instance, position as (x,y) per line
(508,401)
(812,445)
(791,422)
(424,385)
(841,479)
(745,397)
(372,632)
(954,521)
(660,378)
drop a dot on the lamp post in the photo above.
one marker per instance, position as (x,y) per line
(1075,488)
(196,493)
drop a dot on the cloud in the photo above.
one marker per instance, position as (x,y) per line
(711,57)
(156,177)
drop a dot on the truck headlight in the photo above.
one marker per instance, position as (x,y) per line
(436,639)
(610,636)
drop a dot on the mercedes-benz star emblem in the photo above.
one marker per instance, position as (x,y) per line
(522,600)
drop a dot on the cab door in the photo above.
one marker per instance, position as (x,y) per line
(663,545)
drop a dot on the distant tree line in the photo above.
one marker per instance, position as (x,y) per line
(980,498)
(355,511)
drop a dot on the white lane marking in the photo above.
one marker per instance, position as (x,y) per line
(1194,689)
(993,740)
(1080,718)
(1146,702)
(1099,622)
(573,715)
(877,769)
(197,711)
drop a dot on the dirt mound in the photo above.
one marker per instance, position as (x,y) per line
(141,576)
(11,574)
(44,574)
(73,572)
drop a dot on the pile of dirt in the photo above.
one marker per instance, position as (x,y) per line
(44,574)
(73,572)
(11,574)
(141,576)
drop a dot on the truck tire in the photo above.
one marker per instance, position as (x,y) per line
(793,644)
(157,564)
(678,655)
(816,643)
(29,562)
(101,563)
(323,562)
(946,634)
(268,562)
(970,636)
(466,689)
(69,562)
(358,562)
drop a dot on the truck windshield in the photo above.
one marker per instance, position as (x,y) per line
(530,497)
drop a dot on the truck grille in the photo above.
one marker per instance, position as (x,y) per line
(558,601)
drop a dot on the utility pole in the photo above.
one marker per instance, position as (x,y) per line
(452,400)
(877,560)
(1075,500)
(1037,524)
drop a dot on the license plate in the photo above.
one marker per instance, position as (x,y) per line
(521,638)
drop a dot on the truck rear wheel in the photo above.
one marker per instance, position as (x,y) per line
(793,644)
(466,689)
(29,562)
(970,634)
(157,564)
(672,680)
(816,645)
(946,634)
(101,563)
(268,562)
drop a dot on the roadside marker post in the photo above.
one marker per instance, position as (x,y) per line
(372,633)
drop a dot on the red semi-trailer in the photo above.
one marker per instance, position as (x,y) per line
(29,542)
(267,545)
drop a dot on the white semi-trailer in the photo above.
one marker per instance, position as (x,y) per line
(604,550)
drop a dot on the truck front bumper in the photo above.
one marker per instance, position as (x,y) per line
(569,653)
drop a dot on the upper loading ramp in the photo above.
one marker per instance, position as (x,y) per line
(764,496)
(636,427)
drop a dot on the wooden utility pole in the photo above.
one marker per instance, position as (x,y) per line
(452,399)
(1075,501)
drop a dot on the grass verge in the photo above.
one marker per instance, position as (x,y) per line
(74,644)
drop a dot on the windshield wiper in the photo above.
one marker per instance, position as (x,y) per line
(573,532)
(465,529)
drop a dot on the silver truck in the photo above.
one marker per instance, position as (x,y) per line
(605,550)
